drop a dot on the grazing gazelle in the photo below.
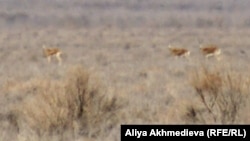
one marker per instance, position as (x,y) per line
(49,52)
(210,50)
(178,52)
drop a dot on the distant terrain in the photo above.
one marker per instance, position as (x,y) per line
(129,13)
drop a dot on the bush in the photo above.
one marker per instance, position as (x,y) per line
(77,103)
(90,105)
(221,95)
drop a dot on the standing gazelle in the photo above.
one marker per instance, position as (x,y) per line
(178,52)
(50,52)
(210,50)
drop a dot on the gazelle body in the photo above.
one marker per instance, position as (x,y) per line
(50,52)
(179,52)
(210,50)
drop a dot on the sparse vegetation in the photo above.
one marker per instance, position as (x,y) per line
(116,66)
(222,95)
(77,104)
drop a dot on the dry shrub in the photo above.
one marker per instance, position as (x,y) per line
(46,110)
(89,102)
(221,94)
(77,103)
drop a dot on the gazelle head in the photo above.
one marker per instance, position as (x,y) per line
(170,46)
(44,51)
(44,46)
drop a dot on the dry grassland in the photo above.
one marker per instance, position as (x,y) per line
(119,72)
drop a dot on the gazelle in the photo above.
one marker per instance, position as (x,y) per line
(210,50)
(178,52)
(50,52)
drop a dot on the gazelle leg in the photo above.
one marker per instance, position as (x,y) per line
(218,58)
(58,56)
(49,59)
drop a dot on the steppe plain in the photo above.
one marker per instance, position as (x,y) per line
(117,53)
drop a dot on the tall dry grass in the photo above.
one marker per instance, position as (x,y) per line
(221,96)
(77,104)
(89,102)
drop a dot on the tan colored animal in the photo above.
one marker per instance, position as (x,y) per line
(179,52)
(50,52)
(210,50)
